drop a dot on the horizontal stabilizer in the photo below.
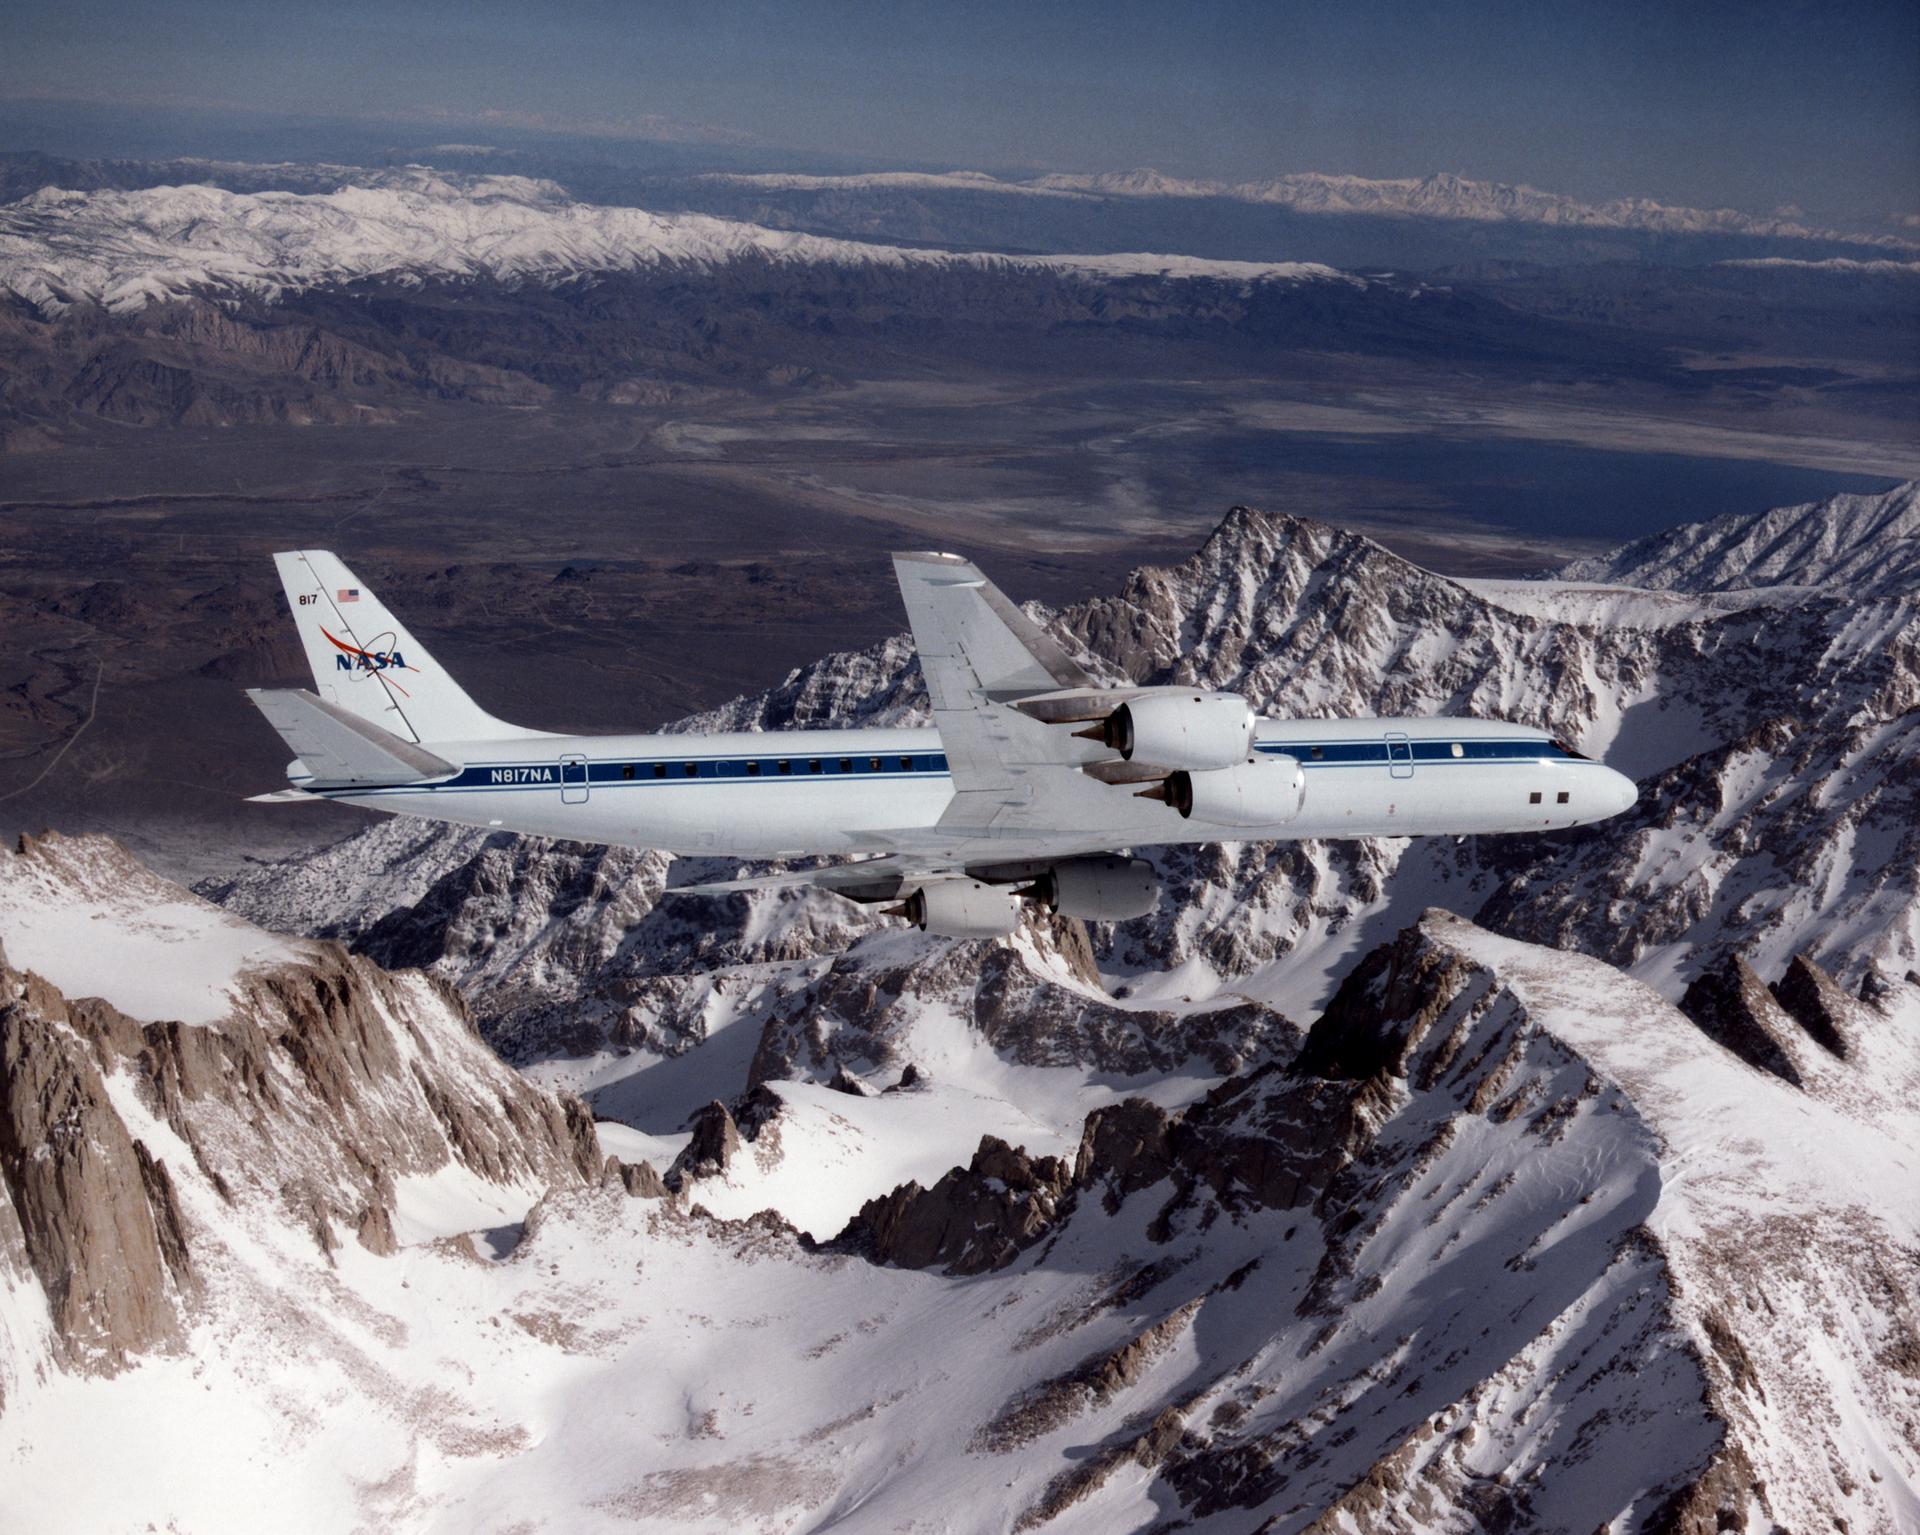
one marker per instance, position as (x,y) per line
(339,747)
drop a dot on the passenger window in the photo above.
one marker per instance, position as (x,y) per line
(813,764)
(873,764)
(784,766)
(693,770)
(1561,796)
(906,764)
(1459,750)
(753,771)
(659,770)
(1319,754)
(627,771)
(846,764)
(1534,798)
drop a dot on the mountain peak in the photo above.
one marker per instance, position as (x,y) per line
(1868,545)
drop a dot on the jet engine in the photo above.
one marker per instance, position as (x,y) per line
(1268,791)
(1183,730)
(960,909)
(1098,889)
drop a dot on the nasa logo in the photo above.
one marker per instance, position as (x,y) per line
(370,661)
(353,658)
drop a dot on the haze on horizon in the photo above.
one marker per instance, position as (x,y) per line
(1763,106)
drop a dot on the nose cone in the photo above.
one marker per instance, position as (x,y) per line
(1622,793)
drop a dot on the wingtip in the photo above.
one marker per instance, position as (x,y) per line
(930,557)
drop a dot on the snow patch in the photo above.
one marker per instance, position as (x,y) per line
(95,923)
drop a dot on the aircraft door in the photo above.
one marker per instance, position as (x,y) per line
(573,780)
(1399,756)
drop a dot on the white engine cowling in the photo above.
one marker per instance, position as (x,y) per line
(1100,889)
(1267,791)
(1183,730)
(961,908)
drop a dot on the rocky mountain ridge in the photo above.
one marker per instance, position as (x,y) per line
(1855,547)
(308,1097)
(395,291)
(290,294)
(1506,1240)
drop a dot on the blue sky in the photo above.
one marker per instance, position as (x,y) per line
(1753,105)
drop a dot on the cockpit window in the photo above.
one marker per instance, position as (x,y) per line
(1565,750)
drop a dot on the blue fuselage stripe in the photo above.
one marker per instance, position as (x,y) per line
(559,773)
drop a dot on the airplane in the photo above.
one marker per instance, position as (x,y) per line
(1036,782)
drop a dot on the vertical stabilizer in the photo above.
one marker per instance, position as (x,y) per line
(365,661)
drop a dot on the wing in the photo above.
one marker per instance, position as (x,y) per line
(980,654)
(865,879)
(869,879)
(971,638)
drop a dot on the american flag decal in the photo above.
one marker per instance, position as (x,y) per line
(349,594)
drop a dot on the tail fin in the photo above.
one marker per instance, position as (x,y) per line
(365,661)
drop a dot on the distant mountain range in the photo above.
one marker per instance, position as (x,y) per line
(1440,196)
(323,293)
(124,250)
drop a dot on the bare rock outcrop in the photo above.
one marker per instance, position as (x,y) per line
(851,1017)
(976,1218)
(713,1149)
(99,1222)
(638,1178)
(1732,1006)
(1382,1011)
(1814,1000)
(1271,1138)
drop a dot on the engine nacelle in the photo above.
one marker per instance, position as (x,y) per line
(1099,889)
(960,908)
(1184,730)
(1267,791)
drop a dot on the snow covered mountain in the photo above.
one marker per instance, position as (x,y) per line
(1439,196)
(1507,1241)
(1594,1211)
(125,250)
(1856,546)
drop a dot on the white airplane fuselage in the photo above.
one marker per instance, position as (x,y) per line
(798,792)
(1037,782)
